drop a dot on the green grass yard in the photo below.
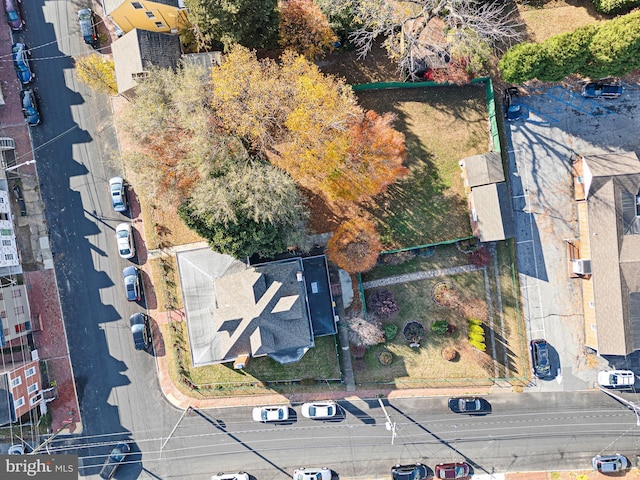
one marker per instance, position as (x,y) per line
(442,125)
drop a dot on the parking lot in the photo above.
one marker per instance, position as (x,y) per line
(559,125)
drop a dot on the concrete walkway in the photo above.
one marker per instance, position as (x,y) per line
(414,276)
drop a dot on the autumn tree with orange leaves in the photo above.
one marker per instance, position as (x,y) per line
(305,28)
(355,246)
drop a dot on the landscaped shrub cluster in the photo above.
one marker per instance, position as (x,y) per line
(383,304)
(481,257)
(364,332)
(440,327)
(390,331)
(615,6)
(476,334)
(609,49)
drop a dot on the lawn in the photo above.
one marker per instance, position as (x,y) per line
(425,366)
(545,18)
(414,366)
(261,375)
(429,205)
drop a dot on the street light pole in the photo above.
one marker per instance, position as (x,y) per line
(390,425)
(632,406)
(15,167)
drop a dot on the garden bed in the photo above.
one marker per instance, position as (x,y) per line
(425,363)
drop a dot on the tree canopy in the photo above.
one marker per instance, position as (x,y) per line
(242,205)
(305,28)
(423,31)
(309,124)
(251,23)
(98,72)
(611,48)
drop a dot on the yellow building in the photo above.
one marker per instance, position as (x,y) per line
(163,16)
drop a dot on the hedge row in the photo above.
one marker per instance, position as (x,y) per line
(615,6)
(608,49)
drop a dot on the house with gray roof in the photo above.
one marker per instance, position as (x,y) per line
(607,191)
(236,311)
(488,197)
(138,50)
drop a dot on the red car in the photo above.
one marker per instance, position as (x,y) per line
(452,470)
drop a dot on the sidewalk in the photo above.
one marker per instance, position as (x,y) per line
(35,253)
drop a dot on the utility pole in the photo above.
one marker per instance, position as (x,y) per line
(65,424)
(184,414)
(15,167)
(391,426)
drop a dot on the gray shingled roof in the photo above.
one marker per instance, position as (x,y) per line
(233,309)
(611,180)
(484,169)
(135,52)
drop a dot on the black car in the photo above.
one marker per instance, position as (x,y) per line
(141,330)
(114,460)
(602,90)
(511,103)
(469,405)
(540,358)
(417,471)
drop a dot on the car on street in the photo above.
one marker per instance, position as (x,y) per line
(131,278)
(12,12)
(319,410)
(616,378)
(610,463)
(417,471)
(141,331)
(469,405)
(312,473)
(276,413)
(512,106)
(230,476)
(126,244)
(452,470)
(118,191)
(114,460)
(21,63)
(540,358)
(29,107)
(88,27)
(602,90)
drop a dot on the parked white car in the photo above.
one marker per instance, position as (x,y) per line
(276,413)
(230,476)
(319,410)
(616,378)
(124,236)
(312,473)
(118,192)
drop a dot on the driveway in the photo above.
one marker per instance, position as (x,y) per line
(558,126)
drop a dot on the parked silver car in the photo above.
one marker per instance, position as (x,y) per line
(117,188)
(610,463)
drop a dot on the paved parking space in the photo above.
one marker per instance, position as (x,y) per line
(541,148)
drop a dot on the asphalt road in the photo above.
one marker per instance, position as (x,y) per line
(118,390)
